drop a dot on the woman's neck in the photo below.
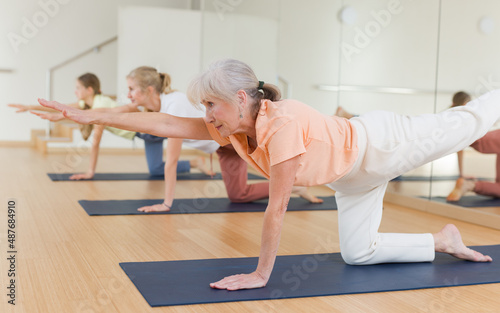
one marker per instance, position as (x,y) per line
(153,103)
(157,102)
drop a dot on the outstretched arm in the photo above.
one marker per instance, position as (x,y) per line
(119,109)
(28,107)
(53,117)
(460,158)
(281,183)
(159,124)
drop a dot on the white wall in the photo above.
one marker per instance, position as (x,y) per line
(268,9)
(251,39)
(308,50)
(167,39)
(66,33)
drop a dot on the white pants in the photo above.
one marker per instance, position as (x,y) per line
(390,145)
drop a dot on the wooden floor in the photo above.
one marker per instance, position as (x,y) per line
(68,261)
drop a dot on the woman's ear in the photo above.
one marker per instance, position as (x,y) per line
(242,97)
(150,90)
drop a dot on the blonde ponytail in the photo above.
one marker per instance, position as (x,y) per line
(166,86)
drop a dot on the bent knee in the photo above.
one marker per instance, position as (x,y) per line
(239,197)
(159,171)
(351,261)
(357,257)
(245,195)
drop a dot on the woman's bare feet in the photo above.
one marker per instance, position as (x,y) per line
(304,193)
(199,163)
(343,113)
(462,186)
(449,240)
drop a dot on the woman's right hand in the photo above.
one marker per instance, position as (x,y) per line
(88,175)
(20,107)
(74,114)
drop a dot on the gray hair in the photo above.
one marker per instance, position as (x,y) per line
(224,78)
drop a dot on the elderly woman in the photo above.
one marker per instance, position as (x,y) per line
(293,144)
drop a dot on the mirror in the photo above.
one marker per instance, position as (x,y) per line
(468,61)
(388,58)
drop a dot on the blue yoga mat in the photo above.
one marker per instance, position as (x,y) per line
(200,205)
(471,201)
(141,176)
(296,276)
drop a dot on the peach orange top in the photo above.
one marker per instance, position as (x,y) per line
(327,145)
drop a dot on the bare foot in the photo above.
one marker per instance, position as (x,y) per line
(304,193)
(343,113)
(199,163)
(449,240)
(461,187)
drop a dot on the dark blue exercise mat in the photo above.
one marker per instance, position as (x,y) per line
(200,205)
(471,201)
(142,176)
(296,276)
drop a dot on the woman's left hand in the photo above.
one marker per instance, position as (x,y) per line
(241,281)
(53,117)
(74,114)
(153,208)
(88,175)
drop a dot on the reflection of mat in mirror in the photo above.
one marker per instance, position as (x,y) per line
(428,178)
(471,201)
